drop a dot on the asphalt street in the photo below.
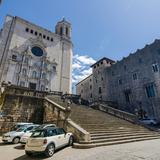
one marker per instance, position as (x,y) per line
(148,150)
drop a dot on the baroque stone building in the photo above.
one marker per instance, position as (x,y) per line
(133,82)
(34,57)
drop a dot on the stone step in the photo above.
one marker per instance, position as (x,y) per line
(115,130)
(97,137)
(123,138)
(86,146)
(117,133)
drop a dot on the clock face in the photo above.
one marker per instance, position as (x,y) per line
(37,51)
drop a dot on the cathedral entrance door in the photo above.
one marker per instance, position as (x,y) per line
(32,86)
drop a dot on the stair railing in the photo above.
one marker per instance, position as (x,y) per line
(118,113)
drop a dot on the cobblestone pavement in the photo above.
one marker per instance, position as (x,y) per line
(148,150)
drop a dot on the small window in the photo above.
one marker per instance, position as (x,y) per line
(134,76)
(27,29)
(31,31)
(98,65)
(61,31)
(66,31)
(44,75)
(90,80)
(94,66)
(140,60)
(155,67)
(127,94)
(14,57)
(102,62)
(51,39)
(54,68)
(47,38)
(24,71)
(120,82)
(102,78)
(150,90)
(34,74)
(40,34)
(35,33)
(44,36)
(90,86)
(125,67)
(100,90)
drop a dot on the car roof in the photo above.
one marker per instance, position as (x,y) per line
(46,129)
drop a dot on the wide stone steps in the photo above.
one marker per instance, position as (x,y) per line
(120,137)
(86,146)
(105,133)
(106,136)
(106,129)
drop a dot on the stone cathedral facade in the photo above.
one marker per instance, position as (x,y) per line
(34,57)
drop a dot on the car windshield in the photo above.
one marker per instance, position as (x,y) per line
(20,129)
(34,129)
(39,133)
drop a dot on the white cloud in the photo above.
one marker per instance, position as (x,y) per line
(76,66)
(81,67)
(85,59)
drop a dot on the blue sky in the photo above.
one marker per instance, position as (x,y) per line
(101,28)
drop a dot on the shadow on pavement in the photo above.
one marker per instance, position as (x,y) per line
(4,144)
(34,157)
(20,147)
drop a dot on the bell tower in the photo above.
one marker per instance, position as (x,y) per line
(63,28)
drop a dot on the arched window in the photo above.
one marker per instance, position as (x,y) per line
(66,31)
(44,75)
(61,31)
(26,60)
(54,68)
(24,71)
(34,74)
(42,88)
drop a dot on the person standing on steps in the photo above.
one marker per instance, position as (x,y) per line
(79,101)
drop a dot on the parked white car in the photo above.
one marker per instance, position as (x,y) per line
(47,141)
(26,135)
(14,136)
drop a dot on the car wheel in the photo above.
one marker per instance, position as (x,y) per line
(50,150)
(28,153)
(16,140)
(70,142)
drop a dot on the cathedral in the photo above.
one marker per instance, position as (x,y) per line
(34,57)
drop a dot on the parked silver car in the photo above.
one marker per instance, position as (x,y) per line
(15,136)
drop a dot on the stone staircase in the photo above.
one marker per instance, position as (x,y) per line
(104,128)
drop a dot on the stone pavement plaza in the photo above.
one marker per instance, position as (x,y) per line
(148,150)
